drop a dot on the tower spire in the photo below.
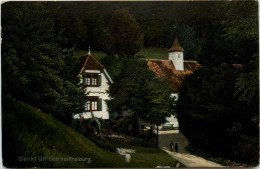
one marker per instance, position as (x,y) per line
(176,46)
(176,55)
(89,50)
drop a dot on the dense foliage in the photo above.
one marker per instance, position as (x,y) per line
(186,35)
(218,105)
(155,19)
(34,68)
(124,34)
(137,89)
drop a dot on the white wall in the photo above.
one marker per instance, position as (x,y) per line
(177,59)
(100,92)
(173,120)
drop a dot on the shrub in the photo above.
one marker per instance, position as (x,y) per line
(247,149)
(103,143)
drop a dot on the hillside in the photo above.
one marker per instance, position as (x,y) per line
(29,133)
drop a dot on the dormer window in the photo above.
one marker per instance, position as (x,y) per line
(92,79)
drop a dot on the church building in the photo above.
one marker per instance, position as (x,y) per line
(173,70)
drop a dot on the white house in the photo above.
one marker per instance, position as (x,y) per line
(97,80)
(173,70)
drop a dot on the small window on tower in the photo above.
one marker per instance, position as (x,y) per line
(179,55)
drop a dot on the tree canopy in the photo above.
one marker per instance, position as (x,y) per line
(124,34)
(137,89)
(218,105)
(34,68)
(186,35)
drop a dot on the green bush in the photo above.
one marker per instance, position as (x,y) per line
(247,150)
(103,143)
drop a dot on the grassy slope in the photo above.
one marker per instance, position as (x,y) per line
(151,53)
(154,53)
(151,157)
(28,132)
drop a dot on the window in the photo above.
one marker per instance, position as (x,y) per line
(88,80)
(87,105)
(91,79)
(93,104)
(179,55)
(94,80)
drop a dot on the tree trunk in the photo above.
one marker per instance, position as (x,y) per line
(157,137)
(138,126)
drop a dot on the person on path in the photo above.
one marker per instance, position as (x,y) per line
(171,146)
(176,147)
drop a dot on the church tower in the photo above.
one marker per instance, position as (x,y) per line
(176,55)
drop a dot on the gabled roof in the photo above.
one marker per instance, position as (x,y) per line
(166,69)
(89,62)
(176,46)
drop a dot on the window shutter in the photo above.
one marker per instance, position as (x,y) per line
(99,80)
(84,78)
(99,104)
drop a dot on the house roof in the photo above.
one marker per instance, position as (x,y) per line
(176,46)
(166,69)
(89,62)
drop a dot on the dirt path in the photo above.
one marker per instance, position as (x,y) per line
(189,160)
(166,137)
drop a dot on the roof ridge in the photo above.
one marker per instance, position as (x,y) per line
(190,61)
(97,61)
(85,63)
(158,59)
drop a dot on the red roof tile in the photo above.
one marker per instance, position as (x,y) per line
(165,69)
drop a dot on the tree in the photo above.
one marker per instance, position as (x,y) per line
(241,30)
(213,51)
(206,107)
(34,66)
(186,36)
(231,36)
(218,105)
(65,19)
(136,89)
(99,32)
(124,33)
(158,103)
(80,34)
(127,90)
